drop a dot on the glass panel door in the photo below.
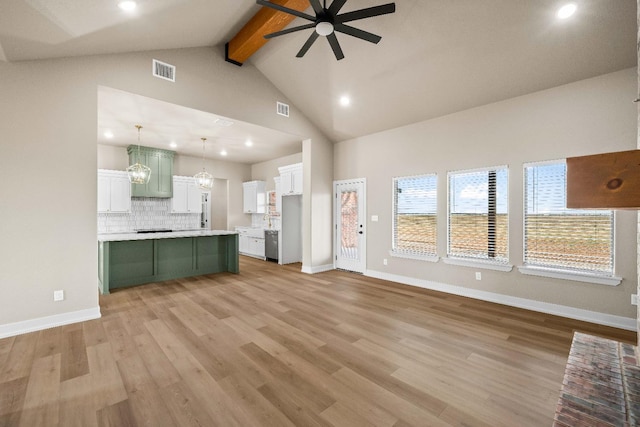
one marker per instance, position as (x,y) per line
(350,225)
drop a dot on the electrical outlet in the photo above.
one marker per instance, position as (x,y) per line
(384,261)
(374,218)
(634,299)
(58,295)
(478,275)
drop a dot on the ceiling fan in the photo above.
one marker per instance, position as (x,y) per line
(327,21)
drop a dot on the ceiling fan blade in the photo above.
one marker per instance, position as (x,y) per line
(317,7)
(289,30)
(286,10)
(366,13)
(336,6)
(333,41)
(361,34)
(312,38)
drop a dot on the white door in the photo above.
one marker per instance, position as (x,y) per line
(349,219)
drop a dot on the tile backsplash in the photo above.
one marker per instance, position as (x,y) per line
(147,213)
(262,221)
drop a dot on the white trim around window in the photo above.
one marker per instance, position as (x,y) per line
(478,263)
(570,275)
(429,258)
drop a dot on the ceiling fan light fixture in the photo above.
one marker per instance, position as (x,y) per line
(329,21)
(324,28)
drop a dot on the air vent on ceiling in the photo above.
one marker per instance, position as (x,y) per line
(223,122)
(282,109)
(164,71)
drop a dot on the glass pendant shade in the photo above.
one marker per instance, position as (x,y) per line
(139,173)
(204,179)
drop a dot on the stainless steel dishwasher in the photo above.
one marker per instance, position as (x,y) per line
(271,245)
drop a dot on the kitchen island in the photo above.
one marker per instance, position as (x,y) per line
(129,259)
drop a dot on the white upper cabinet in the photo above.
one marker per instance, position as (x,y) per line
(187,196)
(291,179)
(114,192)
(254,196)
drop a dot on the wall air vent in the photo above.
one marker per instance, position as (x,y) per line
(164,71)
(282,109)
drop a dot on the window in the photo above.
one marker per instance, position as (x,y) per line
(559,238)
(478,215)
(271,204)
(414,215)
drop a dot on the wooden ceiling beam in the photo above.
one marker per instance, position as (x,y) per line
(251,37)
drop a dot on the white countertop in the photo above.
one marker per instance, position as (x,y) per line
(115,237)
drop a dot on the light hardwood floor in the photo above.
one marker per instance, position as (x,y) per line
(274,347)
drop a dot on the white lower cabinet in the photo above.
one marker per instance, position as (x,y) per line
(256,246)
(251,241)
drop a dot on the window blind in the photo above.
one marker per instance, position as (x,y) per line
(414,215)
(556,237)
(478,215)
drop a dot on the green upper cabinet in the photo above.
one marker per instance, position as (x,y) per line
(161,163)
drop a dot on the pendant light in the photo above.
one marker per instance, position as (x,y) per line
(204,179)
(138,173)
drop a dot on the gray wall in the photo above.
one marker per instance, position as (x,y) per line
(48,113)
(586,117)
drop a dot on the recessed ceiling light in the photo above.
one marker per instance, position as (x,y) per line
(566,11)
(248,143)
(173,145)
(127,5)
(108,134)
(345,101)
(223,153)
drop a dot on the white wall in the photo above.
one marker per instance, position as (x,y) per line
(266,171)
(586,117)
(48,128)
(317,234)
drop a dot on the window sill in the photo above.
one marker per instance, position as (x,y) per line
(570,275)
(429,258)
(477,263)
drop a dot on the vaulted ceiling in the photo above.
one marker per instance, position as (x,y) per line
(436,57)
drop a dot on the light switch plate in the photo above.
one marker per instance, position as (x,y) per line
(58,295)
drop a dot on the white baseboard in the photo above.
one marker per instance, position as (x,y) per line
(627,323)
(32,325)
(317,269)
